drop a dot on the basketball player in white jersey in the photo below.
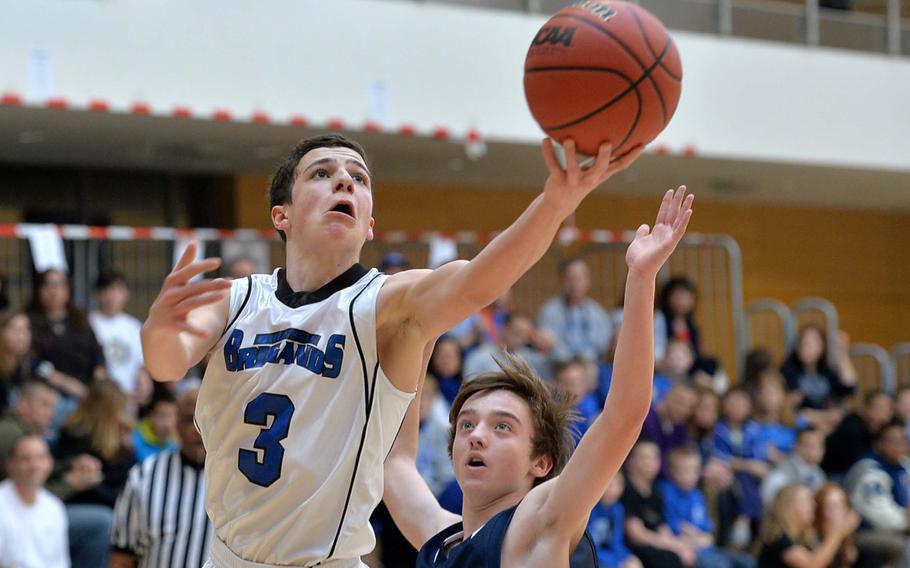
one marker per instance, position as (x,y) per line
(313,366)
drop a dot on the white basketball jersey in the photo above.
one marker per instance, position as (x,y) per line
(297,418)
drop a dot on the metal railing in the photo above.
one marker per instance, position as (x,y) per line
(875,25)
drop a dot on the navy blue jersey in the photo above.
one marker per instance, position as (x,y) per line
(484,549)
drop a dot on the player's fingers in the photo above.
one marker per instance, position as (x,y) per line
(663,212)
(572,167)
(189,304)
(678,197)
(178,294)
(625,160)
(185,274)
(642,231)
(600,166)
(189,253)
(549,156)
(686,214)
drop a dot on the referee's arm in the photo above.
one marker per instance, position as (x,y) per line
(122,559)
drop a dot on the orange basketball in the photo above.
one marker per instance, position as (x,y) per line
(601,71)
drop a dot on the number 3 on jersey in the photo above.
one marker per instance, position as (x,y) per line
(280,407)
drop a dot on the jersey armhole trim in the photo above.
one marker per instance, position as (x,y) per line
(246,299)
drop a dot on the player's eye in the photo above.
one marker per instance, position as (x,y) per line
(504,427)
(320,173)
(467,425)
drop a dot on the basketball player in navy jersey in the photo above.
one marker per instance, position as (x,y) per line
(295,410)
(510,440)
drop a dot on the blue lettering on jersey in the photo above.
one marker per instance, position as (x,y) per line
(286,347)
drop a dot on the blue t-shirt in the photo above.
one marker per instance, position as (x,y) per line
(685,506)
(771,434)
(607,530)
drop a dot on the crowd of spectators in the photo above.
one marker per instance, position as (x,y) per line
(780,469)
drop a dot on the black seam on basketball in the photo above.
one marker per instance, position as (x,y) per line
(628,51)
(631,87)
(644,35)
(368,403)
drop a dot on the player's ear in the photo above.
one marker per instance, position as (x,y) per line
(280,218)
(370,230)
(541,465)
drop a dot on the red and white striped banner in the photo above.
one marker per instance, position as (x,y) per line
(566,235)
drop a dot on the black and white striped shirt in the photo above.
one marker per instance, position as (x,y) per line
(160,514)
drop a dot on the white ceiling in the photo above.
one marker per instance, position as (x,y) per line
(149,143)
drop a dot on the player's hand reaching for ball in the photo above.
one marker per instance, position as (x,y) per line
(179,295)
(568,186)
(653,246)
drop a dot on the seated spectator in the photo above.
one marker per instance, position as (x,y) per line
(758,361)
(677,304)
(100,428)
(788,538)
(515,339)
(735,442)
(902,407)
(717,475)
(157,428)
(182,536)
(775,418)
(879,489)
(445,365)
(63,340)
(831,508)
(433,461)
(32,520)
(668,421)
(814,386)
(394,262)
(32,415)
(240,267)
(606,527)
(118,333)
(576,379)
(800,467)
(16,363)
(647,534)
(576,323)
(687,512)
(853,437)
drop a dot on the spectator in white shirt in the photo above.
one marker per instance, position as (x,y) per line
(33,530)
(118,334)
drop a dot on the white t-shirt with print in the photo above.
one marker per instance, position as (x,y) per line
(32,536)
(119,337)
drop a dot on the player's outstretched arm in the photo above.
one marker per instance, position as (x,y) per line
(414,508)
(446,296)
(564,509)
(186,318)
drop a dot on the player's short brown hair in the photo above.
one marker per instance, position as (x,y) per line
(280,191)
(552,414)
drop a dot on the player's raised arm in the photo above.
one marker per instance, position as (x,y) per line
(449,294)
(604,447)
(186,318)
(414,508)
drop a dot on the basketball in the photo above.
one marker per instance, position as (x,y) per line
(603,72)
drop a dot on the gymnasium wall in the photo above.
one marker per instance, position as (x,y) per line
(429,64)
(860,260)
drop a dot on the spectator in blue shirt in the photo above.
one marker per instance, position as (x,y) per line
(606,527)
(775,418)
(687,513)
(577,378)
(735,441)
(157,429)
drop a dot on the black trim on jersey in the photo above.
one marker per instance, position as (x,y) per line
(287,296)
(249,292)
(368,402)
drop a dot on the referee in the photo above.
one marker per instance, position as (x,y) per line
(160,519)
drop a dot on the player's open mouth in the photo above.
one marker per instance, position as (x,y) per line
(344,208)
(476,462)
